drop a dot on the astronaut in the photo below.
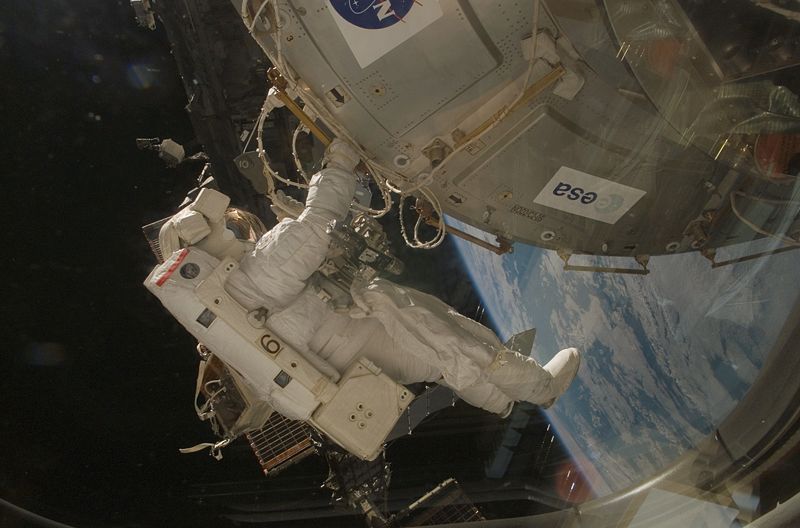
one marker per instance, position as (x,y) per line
(411,336)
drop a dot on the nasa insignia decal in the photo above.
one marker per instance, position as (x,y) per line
(373,14)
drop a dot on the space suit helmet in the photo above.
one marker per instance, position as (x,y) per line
(245,226)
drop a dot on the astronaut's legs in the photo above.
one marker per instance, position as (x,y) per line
(422,330)
(523,379)
(513,377)
(485,396)
(392,357)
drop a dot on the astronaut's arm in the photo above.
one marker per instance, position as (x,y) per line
(331,190)
(277,270)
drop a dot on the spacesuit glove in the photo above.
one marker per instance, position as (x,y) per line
(341,155)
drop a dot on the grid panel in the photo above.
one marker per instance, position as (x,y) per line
(447,503)
(280,443)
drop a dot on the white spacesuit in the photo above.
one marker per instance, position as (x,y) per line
(411,336)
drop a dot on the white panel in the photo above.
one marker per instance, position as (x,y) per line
(585,195)
(364,411)
(664,509)
(373,28)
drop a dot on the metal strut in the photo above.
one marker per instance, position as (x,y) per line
(642,260)
(279,82)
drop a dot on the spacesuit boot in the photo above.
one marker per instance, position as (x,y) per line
(523,379)
(563,367)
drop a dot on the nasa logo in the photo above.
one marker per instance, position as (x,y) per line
(574,193)
(373,14)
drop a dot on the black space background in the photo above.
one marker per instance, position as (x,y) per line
(91,437)
(95,378)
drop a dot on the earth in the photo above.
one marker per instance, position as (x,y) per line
(666,356)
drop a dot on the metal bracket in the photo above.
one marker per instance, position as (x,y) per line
(642,260)
(711,255)
(425,210)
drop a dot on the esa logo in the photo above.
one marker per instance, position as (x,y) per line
(574,193)
(373,14)
(605,204)
(583,194)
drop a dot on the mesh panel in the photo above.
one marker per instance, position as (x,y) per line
(447,503)
(280,443)
(151,234)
